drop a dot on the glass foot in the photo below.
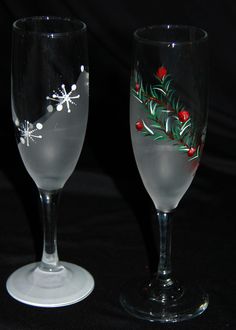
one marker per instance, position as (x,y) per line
(34,286)
(173,304)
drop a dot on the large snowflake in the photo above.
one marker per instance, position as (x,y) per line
(28,132)
(63,98)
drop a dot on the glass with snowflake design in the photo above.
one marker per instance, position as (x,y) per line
(50,95)
(168,119)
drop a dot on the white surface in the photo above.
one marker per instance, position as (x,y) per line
(32,286)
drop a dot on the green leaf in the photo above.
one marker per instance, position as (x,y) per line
(145,133)
(137,97)
(176,133)
(196,155)
(185,129)
(160,137)
(152,107)
(158,79)
(157,126)
(168,84)
(151,117)
(186,124)
(178,105)
(183,148)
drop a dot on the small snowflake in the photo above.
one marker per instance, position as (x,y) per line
(27,131)
(63,97)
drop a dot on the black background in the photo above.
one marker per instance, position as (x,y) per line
(106,215)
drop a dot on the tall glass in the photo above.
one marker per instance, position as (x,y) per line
(168,119)
(50,94)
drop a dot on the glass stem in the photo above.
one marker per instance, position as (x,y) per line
(164,268)
(49,204)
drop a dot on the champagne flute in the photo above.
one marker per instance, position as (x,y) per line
(168,118)
(50,83)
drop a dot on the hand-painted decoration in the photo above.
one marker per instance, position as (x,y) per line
(28,132)
(166,116)
(63,98)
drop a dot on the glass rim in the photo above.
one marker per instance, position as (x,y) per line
(146,40)
(82,27)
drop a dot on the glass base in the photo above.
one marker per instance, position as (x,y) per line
(34,286)
(174,305)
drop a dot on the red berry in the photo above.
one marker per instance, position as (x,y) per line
(137,87)
(191,151)
(161,72)
(183,116)
(139,125)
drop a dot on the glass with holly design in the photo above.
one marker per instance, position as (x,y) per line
(50,94)
(168,119)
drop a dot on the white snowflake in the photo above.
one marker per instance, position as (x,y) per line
(27,132)
(63,97)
